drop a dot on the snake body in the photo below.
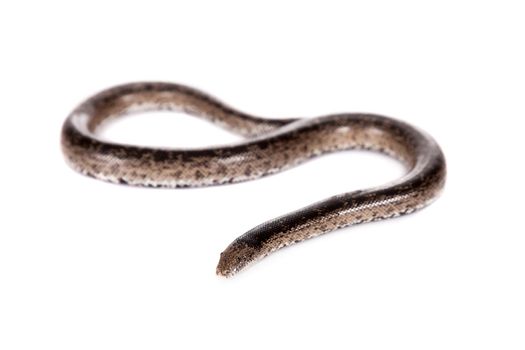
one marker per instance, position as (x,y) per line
(271,145)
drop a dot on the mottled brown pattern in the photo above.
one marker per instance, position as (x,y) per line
(272,145)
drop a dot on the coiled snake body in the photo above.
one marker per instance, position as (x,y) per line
(271,145)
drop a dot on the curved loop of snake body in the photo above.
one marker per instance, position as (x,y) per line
(271,145)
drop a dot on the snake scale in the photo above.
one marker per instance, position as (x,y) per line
(271,145)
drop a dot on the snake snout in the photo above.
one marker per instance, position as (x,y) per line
(235,258)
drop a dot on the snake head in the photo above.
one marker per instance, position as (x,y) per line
(235,258)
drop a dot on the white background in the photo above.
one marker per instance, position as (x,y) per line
(89,265)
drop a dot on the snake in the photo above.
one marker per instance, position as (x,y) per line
(268,146)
